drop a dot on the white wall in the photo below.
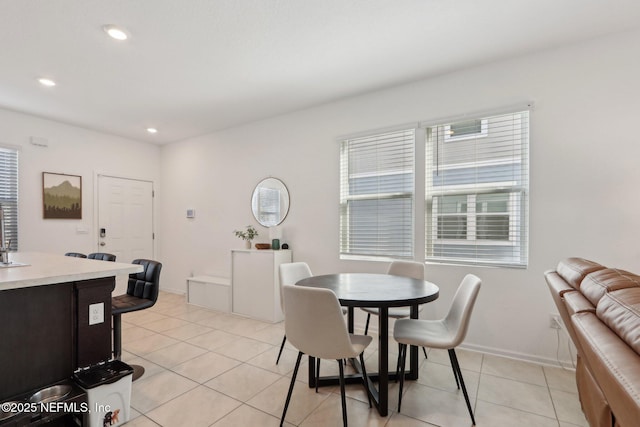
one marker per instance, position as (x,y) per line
(73,151)
(584,179)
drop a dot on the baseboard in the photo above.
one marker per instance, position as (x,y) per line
(565,364)
(174,291)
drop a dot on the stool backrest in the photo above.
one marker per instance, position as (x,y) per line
(102,256)
(145,284)
(75,255)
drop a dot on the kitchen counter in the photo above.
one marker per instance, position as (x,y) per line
(55,317)
(46,269)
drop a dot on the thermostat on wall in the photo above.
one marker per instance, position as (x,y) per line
(191,213)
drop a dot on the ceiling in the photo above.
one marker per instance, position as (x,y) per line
(192,67)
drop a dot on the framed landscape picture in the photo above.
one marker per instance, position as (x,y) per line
(61,196)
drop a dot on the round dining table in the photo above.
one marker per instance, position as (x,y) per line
(381,291)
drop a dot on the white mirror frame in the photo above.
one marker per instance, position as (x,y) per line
(270,202)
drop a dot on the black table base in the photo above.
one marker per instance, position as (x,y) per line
(354,379)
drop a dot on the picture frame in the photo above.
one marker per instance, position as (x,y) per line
(61,196)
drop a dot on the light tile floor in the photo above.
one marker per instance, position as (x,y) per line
(206,368)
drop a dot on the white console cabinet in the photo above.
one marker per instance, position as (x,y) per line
(255,283)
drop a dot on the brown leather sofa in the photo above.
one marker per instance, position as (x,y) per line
(600,308)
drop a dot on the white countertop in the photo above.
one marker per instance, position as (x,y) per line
(46,269)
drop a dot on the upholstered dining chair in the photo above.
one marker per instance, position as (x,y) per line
(290,273)
(102,256)
(142,292)
(411,269)
(314,324)
(445,334)
(75,255)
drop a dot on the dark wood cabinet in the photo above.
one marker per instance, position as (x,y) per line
(45,333)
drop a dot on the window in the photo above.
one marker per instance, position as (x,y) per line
(490,220)
(476,187)
(377,195)
(465,130)
(451,216)
(9,194)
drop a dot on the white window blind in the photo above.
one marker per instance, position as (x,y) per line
(377,195)
(269,206)
(477,191)
(9,193)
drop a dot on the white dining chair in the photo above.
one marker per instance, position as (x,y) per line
(290,273)
(314,325)
(445,334)
(411,269)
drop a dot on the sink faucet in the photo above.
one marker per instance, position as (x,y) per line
(4,249)
(4,253)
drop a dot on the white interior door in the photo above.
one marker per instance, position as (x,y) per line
(125,218)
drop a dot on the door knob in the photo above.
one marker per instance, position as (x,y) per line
(102,243)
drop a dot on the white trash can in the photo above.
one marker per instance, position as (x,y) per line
(108,388)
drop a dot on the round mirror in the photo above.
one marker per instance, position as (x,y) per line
(270,202)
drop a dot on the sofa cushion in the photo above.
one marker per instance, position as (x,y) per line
(574,270)
(620,311)
(596,284)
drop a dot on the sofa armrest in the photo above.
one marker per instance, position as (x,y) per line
(577,303)
(559,290)
(613,364)
(594,405)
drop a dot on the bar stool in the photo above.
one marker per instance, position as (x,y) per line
(102,256)
(75,255)
(142,292)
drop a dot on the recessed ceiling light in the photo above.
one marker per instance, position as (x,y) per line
(152,130)
(115,32)
(46,82)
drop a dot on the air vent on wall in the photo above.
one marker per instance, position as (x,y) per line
(39,142)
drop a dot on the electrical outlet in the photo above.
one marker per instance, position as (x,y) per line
(96,313)
(555,322)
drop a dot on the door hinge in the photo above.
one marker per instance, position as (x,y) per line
(153,193)
(153,236)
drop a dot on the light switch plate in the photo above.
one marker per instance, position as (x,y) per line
(96,313)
